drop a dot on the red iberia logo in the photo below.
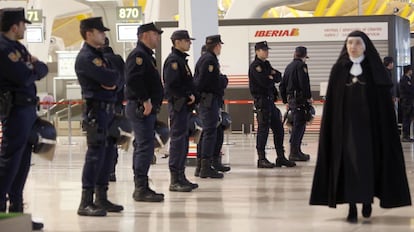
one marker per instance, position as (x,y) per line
(277,33)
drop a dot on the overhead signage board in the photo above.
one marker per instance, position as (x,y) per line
(129,14)
(316,32)
(34,16)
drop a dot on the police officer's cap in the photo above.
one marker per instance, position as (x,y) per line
(10,16)
(93,23)
(261,45)
(214,39)
(407,68)
(301,52)
(388,60)
(148,27)
(181,34)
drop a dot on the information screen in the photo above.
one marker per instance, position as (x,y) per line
(34,34)
(126,32)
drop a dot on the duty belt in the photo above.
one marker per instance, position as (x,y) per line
(22,100)
(107,106)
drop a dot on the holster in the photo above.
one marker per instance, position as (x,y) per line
(139,111)
(178,103)
(95,136)
(206,100)
(6,103)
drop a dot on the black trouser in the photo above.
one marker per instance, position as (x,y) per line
(298,125)
(407,116)
(269,116)
(97,160)
(210,118)
(179,136)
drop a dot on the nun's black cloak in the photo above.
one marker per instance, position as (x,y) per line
(359,155)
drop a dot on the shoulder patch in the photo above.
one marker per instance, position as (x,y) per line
(98,62)
(305,69)
(258,68)
(210,68)
(174,65)
(18,54)
(13,57)
(138,60)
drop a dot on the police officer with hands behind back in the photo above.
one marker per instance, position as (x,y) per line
(295,91)
(262,79)
(100,85)
(180,92)
(144,92)
(18,102)
(210,84)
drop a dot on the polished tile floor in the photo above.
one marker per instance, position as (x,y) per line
(247,199)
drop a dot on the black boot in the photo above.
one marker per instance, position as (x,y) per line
(18,208)
(142,191)
(304,154)
(282,161)
(295,155)
(87,207)
(207,171)
(183,179)
(366,210)
(262,162)
(218,165)
(352,214)
(101,200)
(198,167)
(176,185)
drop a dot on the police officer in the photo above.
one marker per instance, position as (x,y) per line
(18,101)
(144,93)
(407,102)
(180,92)
(117,63)
(210,84)
(295,91)
(262,79)
(217,154)
(100,85)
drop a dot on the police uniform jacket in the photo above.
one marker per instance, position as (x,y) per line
(93,72)
(207,76)
(260,85)
(295,81)
(117,63)
(178,79)
(18,73)
(143,80)
(406,89)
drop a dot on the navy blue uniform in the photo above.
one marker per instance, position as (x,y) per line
(210,84)
(295,90)
(117,63)
(179,86)
(143,82)
(18,75)
(93,73)
(407,104)
(264,93)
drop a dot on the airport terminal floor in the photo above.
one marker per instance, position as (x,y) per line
(247,199)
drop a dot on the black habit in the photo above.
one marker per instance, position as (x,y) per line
(359,155)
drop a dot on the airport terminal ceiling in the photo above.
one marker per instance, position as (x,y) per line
(230,9)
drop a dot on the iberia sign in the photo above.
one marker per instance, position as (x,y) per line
(277,33)
(316,32)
